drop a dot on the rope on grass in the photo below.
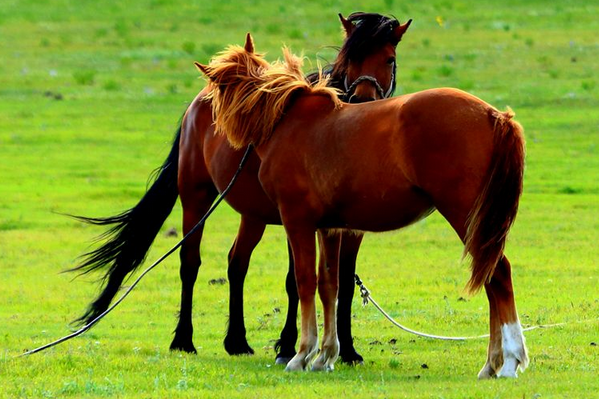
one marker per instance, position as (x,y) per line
(367,297)
(147,270)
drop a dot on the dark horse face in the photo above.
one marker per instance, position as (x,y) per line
(368,56)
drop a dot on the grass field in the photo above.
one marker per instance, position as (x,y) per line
(90,96)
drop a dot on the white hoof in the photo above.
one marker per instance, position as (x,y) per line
(509,369)
(327,358)
(322,364)
(300,361)
(486,372)
(296,364)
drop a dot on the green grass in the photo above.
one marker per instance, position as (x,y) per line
(90,96)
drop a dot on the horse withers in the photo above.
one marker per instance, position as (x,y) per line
(395,162)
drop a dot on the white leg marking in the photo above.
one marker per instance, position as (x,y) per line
(328,357)
(303,358)
(514,350)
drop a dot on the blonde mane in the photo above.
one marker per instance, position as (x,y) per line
(250,95)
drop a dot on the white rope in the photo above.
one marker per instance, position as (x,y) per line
(367,297)
(89,325)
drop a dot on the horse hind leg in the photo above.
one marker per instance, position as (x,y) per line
(328,287)
(195,205)
(513,344)
(507,349)
(249,235)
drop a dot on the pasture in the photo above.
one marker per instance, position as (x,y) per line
(90,97)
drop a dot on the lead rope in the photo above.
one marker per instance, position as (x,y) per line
(367,297)
(156,263)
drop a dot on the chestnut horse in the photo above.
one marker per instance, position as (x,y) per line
(395,161)
(201,164)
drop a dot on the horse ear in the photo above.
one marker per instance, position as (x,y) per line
(348,26)
(399,31)
(249,43)
(202,68)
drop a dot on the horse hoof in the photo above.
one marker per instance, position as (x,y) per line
(246,350)
(352,359)
(236,347)
(323,366)
(507,374)
(188,348)
(284,356)
(283,359)
(486,372)
(509,369)
(295,366)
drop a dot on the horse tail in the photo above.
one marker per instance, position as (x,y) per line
(131,234)
(495,209)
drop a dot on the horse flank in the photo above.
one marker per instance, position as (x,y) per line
(249,95)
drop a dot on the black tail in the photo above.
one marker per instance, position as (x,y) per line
(131,235)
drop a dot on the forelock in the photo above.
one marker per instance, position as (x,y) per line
(372,32)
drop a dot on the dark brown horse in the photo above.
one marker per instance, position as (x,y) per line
(395,162)
(201,164)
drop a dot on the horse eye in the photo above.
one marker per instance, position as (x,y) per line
(391,60)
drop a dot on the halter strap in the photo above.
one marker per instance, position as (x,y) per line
(350,89)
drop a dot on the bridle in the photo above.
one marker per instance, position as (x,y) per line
(349,89)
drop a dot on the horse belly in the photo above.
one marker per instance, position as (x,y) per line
(387,211)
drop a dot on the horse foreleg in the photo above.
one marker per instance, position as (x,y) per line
(328,287)
(350,244)
(195,206)
(249,235)
(285,346)
(505,318)
(304,255)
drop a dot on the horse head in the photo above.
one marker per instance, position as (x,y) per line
(366,65)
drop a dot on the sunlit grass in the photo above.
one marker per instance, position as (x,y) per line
(90,96)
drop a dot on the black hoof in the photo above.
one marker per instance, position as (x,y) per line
(351,358)
(236,347)
(285,350)
(181,345)
(283,359)
(284,356)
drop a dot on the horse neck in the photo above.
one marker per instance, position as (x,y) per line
(336,79)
